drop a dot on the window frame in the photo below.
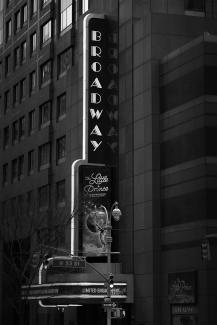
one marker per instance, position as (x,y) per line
(43,122)
(60,115)
(46,37)
(60,158)
(44,80)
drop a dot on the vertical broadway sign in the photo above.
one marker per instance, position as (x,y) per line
(101,93)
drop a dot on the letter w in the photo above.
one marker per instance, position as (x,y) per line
(96,114)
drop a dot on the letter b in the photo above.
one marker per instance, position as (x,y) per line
(96,36)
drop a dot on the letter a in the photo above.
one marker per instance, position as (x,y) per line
(96,83)
(96,131)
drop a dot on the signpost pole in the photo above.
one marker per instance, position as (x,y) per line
(116,213)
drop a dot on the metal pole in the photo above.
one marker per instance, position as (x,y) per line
(109,264)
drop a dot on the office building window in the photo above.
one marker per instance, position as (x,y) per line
(61,150)
(7,101)
(21,167)
(22,89)
(60,193)
(32,121)
(17,21)
(195,5)
(7,64)
(15,132)
(14,207)
(46,72)
(8,30)
(20,205)
(44,197)
(16,94)
(22,122)
(44,2)
(33,43)
(32,82)
(8,3)
(46,32)
(44,156)
(23,52)
(31,162)
(61,106)
(65,61)
(65,14)
(6,137)
(33,7)
(14,170)
(16,57)
(5,174)
(24,14)
(45,114)
(31,203)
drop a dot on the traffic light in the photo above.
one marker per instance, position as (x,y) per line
(205,250)
(111,280)
(35,260)
(118,313)
(47,261)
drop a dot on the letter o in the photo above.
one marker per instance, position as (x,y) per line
(96,66)
(112,68)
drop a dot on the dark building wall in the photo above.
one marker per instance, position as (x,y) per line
(188,185)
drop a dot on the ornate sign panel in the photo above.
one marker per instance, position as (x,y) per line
(101,91)
(182,287)
(95,190)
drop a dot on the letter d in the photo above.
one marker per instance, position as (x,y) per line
(95,98)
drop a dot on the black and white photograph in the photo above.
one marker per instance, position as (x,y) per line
(108,162)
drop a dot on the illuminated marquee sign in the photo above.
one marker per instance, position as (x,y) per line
(80,290)
(101,92)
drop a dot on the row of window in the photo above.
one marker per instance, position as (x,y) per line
(43,158)
(21,89)
(19,128)
(16,206)
(21,16)
(64,61)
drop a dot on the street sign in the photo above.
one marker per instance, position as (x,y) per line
(110,305)
(69,262)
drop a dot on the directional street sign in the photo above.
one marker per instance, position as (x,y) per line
(69,262)
(110,305)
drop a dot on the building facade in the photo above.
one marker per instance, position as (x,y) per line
(165,174)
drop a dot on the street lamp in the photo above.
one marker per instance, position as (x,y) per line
(114,212)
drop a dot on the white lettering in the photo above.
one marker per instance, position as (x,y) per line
(96,67)
(96,131)
(113,53)
(96,114)
(112,68)
(113,38)
(96,51)
(96,83)
(112,84)
(112,132)
(95,145)
(113,115)
(113,100)
(96,36)
(95,98)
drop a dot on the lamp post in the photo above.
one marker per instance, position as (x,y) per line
(114,212)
